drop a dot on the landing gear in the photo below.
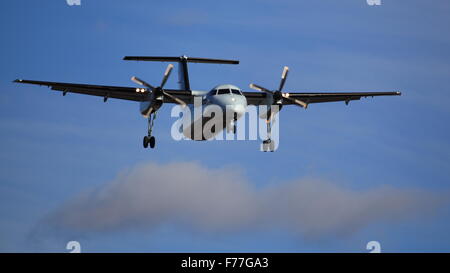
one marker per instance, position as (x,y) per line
(150,140)
(268,145)
(235,118)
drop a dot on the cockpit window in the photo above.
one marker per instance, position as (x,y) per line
(223,91)
(235,91)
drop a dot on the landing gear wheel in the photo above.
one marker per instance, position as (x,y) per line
(152,142)
(145,141)
(267,145)
(271,146)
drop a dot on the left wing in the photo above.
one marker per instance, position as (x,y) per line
(115,92)
(258,98)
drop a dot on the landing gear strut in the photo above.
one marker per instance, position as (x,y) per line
(235,123)
(268,145)
(150,140)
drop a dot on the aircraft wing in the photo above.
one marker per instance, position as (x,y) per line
(115,92)
(258,98)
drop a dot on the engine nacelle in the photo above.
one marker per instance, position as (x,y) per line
(148,107)
(273,105)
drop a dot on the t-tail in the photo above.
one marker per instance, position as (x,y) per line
(182,61)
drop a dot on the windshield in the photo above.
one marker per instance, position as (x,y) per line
(235,91)
(223,91)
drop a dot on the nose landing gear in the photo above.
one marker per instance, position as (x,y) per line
(150,140)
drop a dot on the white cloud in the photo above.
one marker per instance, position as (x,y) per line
(223,200)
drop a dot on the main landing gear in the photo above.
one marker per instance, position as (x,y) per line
(150,140)
(268,145)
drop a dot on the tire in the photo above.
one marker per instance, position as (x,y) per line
(152,142)
(145,142)
(272,146)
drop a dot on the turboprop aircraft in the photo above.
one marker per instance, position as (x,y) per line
(226,96)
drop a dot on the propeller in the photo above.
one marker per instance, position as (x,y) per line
(161,87)
(277,94)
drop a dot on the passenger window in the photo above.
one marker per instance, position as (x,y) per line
(223,91)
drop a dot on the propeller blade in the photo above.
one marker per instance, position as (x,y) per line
(260,88)
(296,101)
(179,101)
(166,74)
(141,82)
(283,77)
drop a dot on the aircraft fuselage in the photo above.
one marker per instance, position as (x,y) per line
(224,100)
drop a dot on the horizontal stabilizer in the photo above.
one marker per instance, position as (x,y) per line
(179,59)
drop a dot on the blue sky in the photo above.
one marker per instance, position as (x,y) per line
(55,149)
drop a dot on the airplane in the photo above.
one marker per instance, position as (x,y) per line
(226,96)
